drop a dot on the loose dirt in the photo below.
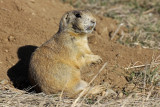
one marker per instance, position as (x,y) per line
(26,24)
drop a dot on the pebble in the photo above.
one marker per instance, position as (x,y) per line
(120,95)
(4,82)
(11,38)
(130,87)
(110,91)
(6,50)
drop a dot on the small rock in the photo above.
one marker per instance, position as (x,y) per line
(11,38)
(4,82)
(120,95)
(110,92)
(130,87)
(6,50)
(103,93)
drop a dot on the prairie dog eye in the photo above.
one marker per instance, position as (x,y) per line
(77,14)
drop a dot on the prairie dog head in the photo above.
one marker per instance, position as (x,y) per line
(75,21)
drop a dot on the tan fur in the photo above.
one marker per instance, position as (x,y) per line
(56,65)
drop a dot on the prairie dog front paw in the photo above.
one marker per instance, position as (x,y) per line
(93,59)
(97,59)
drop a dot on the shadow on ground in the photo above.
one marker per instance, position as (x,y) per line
(18,74)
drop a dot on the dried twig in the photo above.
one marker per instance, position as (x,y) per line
(139,66)
(60,97)
(117,30)
(86,89)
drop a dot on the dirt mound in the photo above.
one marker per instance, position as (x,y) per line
(26,24)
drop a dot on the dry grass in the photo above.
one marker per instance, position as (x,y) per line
(14,99)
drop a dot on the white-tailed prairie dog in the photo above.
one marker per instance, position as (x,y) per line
(55,66)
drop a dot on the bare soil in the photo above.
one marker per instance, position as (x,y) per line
(26,24)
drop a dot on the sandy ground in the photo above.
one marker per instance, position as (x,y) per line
(26,24)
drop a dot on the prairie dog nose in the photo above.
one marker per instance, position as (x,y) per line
(93,22)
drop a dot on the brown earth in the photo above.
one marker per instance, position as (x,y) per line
(26,24)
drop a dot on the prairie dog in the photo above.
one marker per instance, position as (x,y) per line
(56,64)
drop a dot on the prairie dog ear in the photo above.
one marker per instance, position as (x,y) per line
(66,18)
(64,21)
